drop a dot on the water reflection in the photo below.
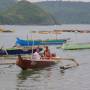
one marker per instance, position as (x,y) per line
(31,79)
(24,74)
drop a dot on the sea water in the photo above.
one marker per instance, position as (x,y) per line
(50,78)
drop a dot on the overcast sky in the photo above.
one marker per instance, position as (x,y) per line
(58,0)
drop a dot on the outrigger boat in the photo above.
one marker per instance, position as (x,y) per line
(25,63)
(75,46)
(23,42)
(17,51)
(28,63)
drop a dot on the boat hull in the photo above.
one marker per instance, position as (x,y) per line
(29,64)
(22,42)
(16,51)
(75,46)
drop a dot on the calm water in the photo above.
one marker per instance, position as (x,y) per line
(51,78)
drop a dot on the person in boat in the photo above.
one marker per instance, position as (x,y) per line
(36,55)
(47,53)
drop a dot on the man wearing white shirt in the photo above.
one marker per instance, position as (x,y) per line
(36,55)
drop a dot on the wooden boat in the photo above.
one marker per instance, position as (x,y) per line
(7,31)
(44,32)
(74,30)
(75,46)
(3,30)
(17,51)
(23,42)
(25,63)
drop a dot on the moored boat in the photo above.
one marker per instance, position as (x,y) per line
(75,46)
(7,31)
(17,51)
(23,42)
(25,63)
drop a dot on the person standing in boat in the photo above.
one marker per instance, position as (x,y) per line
(36,55)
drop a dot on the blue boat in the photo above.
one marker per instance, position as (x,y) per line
(17,51)
(23,42)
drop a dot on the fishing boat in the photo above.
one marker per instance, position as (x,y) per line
(23,42)
(7,31)
(75,46)
(17,51)
(4,30)
(25,63)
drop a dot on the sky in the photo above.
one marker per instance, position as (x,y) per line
(58,0)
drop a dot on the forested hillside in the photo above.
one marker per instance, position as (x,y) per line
(44,13)
(25,12)
(66,12)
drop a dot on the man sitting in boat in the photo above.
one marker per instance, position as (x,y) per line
(47,53)
(36,55)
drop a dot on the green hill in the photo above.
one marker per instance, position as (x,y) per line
(5,4)
(67,12)
(44,13)
(25,12)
